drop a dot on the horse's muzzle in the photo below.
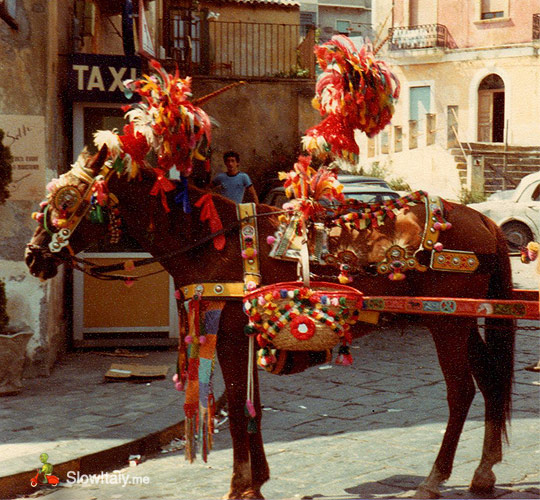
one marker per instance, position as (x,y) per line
(40,262)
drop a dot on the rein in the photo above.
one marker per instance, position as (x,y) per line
(100,272)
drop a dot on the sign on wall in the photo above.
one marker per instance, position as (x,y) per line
(25,137)
(146,47)
(99,77)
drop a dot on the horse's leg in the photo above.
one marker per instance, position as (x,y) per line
(451,340)
(487,373)
(250,469)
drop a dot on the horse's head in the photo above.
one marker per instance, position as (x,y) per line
(72,217)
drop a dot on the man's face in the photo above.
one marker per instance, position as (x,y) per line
(231,164)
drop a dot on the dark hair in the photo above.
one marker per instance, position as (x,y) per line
(231,154)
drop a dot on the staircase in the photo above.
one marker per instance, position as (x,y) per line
(503,166)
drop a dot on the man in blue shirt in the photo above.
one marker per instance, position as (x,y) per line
(233,184)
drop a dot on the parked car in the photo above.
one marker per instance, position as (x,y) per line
(344,179)
(519,215)
(505,194)
(362,179)
(367,193)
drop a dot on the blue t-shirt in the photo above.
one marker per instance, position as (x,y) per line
(233,186)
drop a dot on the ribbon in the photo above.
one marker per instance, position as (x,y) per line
(182,197)
(161,186)
(209,213)
(100,190)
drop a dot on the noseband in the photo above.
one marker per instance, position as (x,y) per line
(96,187)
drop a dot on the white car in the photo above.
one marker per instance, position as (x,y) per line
(519,215)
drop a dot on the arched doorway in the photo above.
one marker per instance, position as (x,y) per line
(491,109)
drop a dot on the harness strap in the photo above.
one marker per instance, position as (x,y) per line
(249,245)
(249,242)
(434,205)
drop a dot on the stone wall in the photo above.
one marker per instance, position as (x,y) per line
(30,92)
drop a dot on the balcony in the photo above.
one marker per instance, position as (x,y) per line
(241,49)
(536,27)
(423,36)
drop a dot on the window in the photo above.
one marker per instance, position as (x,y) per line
(384,142)
(419,102)
(343,27)
(398,139)
(185,36)
(492,9)
(308,20)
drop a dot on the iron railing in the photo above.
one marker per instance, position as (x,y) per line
(423,36)
(536,27)
(241,49)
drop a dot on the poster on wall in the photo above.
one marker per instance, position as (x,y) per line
(24,135)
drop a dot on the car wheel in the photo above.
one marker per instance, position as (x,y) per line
(517,235)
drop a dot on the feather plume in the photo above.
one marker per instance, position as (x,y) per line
(110,139)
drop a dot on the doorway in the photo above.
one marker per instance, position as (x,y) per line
(491,116)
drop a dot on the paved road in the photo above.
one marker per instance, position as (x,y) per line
(371,430)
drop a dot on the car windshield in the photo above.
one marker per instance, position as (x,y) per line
(372,197)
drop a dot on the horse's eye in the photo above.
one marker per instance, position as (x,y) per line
(67,198)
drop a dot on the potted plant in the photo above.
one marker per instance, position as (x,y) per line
(13,339)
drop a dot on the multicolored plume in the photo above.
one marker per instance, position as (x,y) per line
(355,91)
(164,121)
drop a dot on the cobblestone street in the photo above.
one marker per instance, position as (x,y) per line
(371,430)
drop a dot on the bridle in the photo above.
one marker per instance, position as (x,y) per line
(60,238)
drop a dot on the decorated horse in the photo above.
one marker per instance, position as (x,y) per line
(251,274)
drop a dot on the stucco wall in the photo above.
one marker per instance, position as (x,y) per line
(256,14)
(30,62)
(456,83)
(256,117)
(469,31)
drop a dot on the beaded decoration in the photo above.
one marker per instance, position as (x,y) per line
(292,316)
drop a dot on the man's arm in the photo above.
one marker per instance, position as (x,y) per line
(252,194)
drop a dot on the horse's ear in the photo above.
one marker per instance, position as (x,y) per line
(98,160)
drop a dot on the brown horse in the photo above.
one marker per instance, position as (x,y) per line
(464,355)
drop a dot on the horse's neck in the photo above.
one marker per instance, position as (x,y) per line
(163,233)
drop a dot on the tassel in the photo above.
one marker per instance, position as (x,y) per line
(250,409)
(252,426)
(397,276)
(190,424)
(344,357)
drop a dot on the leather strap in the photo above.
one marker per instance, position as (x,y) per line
(249,238)
(214,290)
(248,232)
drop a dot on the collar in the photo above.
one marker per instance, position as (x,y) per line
(249,246)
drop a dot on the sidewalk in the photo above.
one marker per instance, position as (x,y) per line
(85,424)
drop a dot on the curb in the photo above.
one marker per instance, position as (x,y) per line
(19,484)
(94,463)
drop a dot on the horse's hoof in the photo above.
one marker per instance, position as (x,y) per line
(423,492)
(483,482)
(232,495)
(252,494)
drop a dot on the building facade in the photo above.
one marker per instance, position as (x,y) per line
(63,64)
(470,78)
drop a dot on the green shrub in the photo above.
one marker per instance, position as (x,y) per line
(467,196)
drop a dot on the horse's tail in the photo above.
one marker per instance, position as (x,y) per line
(500,336)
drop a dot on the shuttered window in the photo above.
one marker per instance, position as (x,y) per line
(491,9)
